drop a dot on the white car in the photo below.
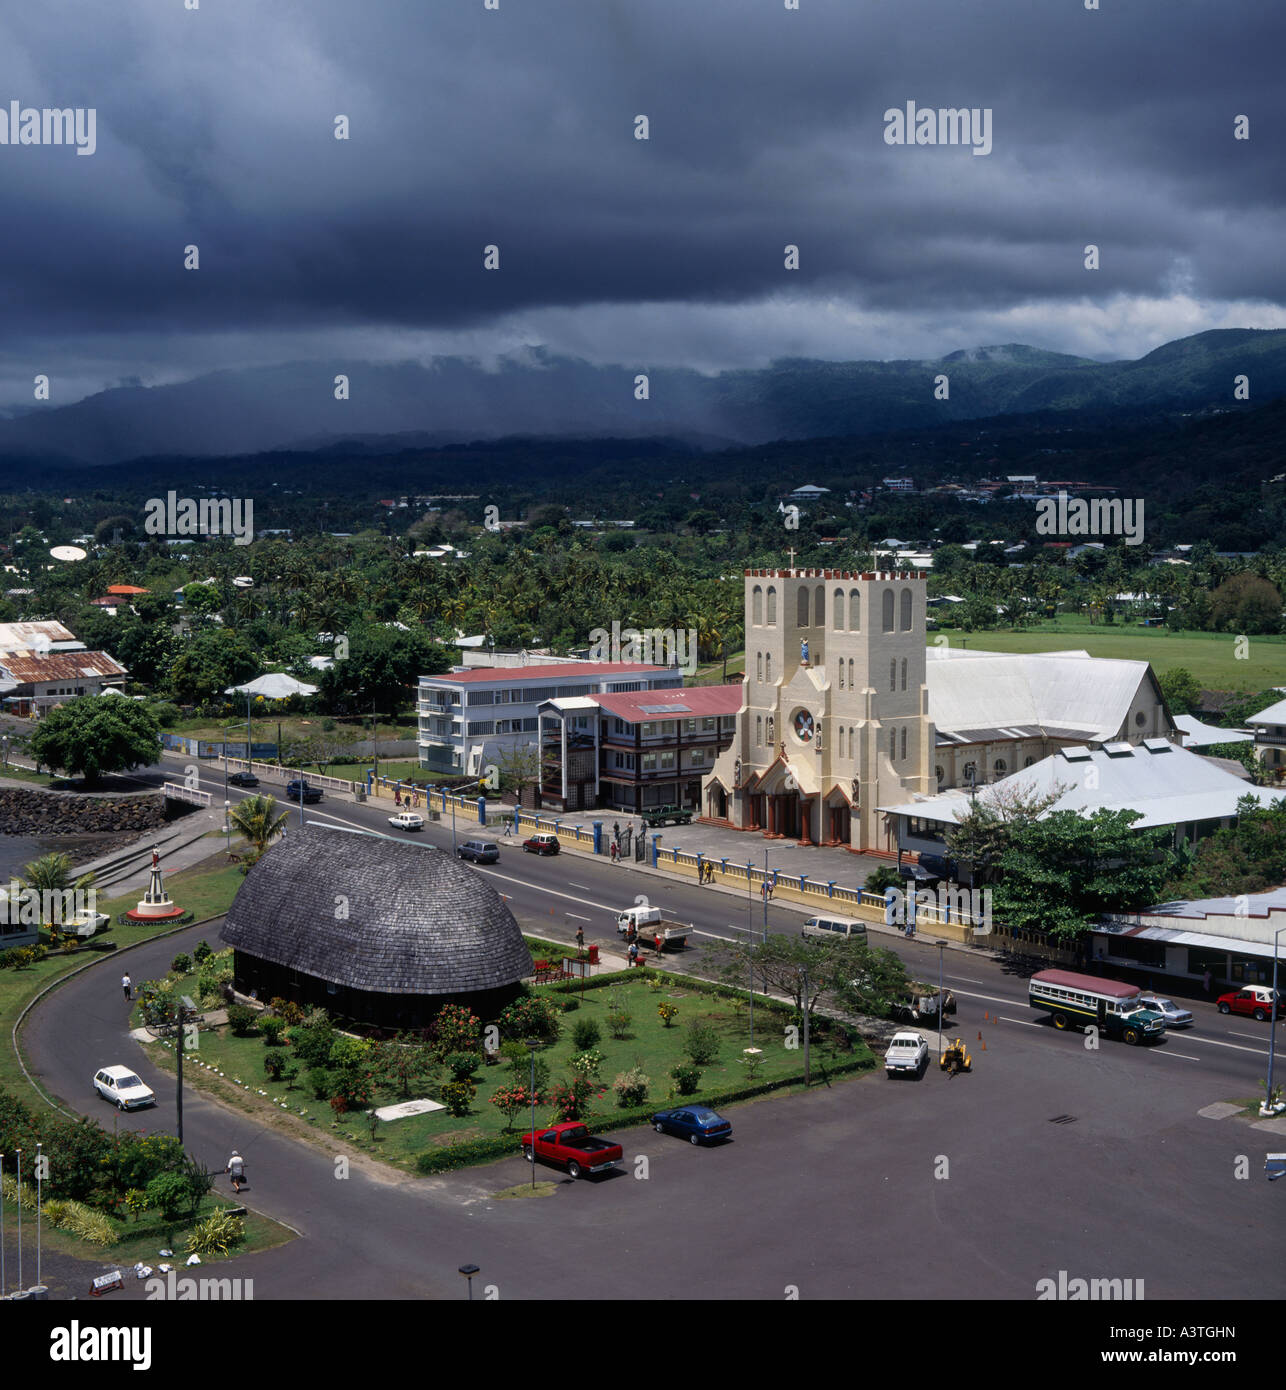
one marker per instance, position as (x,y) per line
(87,924)
(125,1090)
(1174,1016)
(407,820)
(908,1052)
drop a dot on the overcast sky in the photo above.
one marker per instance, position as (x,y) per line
(516,127)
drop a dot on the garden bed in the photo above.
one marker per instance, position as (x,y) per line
(233,1066)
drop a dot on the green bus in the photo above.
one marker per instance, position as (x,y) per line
(1084,1001)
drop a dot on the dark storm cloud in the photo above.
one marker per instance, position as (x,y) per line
(515,127)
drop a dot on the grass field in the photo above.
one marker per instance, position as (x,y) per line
(294,726)
(1210,656)
(650,1044)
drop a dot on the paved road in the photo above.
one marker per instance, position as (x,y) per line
(1056,1157)
(842,1193)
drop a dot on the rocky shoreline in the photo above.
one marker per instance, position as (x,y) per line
(35,811)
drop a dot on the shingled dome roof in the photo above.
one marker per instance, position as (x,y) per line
(418,921)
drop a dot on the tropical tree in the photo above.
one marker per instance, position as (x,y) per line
(52,873)
(259,821)
(97,734)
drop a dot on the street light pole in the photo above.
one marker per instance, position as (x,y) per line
(531,1096)
(454,791)
(942,998)
(1272,1024)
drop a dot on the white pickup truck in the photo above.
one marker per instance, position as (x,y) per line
(653,927)
(908,1052)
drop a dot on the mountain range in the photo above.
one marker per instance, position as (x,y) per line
(452,399)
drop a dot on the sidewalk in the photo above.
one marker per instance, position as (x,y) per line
(181,844)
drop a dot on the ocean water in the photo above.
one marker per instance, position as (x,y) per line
(19,850)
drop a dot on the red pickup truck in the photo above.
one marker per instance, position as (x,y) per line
(571,1146)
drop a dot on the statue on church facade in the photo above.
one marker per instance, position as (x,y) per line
(803,651)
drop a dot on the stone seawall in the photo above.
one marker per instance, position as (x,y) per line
(31,811)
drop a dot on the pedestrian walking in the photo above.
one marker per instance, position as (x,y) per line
(126,984)
(1205,980)
(634,952)
(237,1171)
(509,828)
(616,852)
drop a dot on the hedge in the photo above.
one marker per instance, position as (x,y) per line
(464,1155)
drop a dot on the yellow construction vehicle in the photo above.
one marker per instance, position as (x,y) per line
(955,1057)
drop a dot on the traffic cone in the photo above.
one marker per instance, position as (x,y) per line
(984,1045)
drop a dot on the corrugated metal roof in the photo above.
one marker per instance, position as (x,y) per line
(1088,696)
(1199,735)
(1168,785)
(60,666)
(1274,714)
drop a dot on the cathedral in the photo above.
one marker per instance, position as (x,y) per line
(835,712)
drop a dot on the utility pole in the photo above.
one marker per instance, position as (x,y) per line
(178,1056)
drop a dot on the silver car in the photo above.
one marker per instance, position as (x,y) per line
(1174,1016)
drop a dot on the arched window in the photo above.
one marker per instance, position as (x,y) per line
(819,607)
(772,605)
(759,666)
(904,673)
(904,741)
(855,610)
(1027,762)
(940,774)
(893,743)
(850,673)
(768,668)
(841,740)
(999,765)
(837,614)
(841,675)
(759,731)
(887,610)
(893,674)
(757,605)
(801,606)
(970,773)
(906,610)
(851,754)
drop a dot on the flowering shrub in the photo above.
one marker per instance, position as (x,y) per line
(284,1008)
(512,1101)
(687,1077)
(529,1017)
(631,1087)
(571,1099)
(273,1065)
(587,1063)
(457,1029)
(457,1096)
(618,1023)
(667,1012)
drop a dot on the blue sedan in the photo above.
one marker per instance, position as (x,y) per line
(692,1122)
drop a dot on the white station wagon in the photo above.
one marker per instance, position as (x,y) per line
(125,1090)
(407,820)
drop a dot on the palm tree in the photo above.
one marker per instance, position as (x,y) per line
(51,873)
(259,821)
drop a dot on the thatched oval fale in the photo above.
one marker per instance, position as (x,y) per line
(373,930)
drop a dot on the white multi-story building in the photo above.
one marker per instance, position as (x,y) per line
(469,717)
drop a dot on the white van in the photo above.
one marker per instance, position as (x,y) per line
(831,927)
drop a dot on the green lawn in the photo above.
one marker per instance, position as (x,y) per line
(293,726)
(1210,656)
(651,1044)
